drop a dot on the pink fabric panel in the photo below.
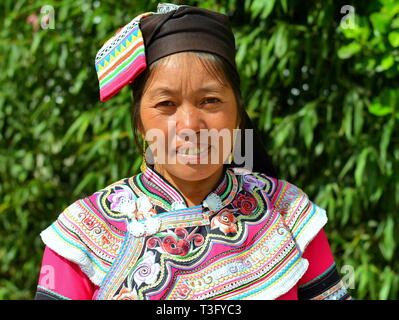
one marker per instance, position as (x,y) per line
(319,255)
(320,258)
(64,277)
(292,294)
(122,79)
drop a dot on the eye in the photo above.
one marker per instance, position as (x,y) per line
(210,100)
(165,103)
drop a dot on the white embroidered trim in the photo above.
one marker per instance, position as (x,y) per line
(73,254)
(310,230)
(241,171)
(283,286)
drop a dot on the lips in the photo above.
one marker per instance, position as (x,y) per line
(189,153)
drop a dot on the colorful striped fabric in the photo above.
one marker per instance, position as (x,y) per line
(85,236)
(121,59)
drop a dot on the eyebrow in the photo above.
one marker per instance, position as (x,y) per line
(163,91)
(166,91)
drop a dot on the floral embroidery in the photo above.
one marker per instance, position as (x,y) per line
(147,270)
(246,202)
(250,182)
(183,291)
(177,243)
(225,221)
(126,294)
(122,200)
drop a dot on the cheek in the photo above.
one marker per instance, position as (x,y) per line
(155,130)
(226,119)
(153,122)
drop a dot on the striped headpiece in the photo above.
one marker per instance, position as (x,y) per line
(122,58)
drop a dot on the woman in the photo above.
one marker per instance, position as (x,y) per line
(200,221)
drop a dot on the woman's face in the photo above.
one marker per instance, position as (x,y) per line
(188,117)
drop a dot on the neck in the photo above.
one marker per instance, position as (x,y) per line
(194,192)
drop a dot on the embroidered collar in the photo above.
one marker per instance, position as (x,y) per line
(152,184)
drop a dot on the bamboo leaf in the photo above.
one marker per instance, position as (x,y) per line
(385,139)
(389,244)
(281,41)
(361,165)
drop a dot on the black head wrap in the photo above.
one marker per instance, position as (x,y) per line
(188,29)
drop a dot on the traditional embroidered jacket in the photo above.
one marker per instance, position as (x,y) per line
(253,237)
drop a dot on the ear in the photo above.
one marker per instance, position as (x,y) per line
(140,130)
(238,122)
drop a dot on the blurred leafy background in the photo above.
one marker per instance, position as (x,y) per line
(319,80)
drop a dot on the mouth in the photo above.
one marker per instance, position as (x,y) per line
(190,153)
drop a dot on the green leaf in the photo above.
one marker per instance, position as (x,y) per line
(393,38)
(284,5)
(281,41)
(386,63)
(267,9)
(386,139)
(384,103)
(380,110)
(361,165)
(262,8)
(347,167)
(358,116)
(387,279)
(389,243)
(308,124)
(348,204)
(380,21)
(347,51)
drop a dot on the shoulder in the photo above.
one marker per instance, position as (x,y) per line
(91,230)
(277,190)
(110,205)
(301,216)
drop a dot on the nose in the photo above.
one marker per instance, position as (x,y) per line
(189,120)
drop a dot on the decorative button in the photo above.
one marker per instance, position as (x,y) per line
(146,227)
(213,202)
(177,205)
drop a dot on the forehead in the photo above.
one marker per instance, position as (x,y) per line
(186,70)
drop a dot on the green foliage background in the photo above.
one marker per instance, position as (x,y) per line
(325,97)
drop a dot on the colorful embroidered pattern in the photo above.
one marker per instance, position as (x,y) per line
(84,235)
(249,248)
(122,58)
